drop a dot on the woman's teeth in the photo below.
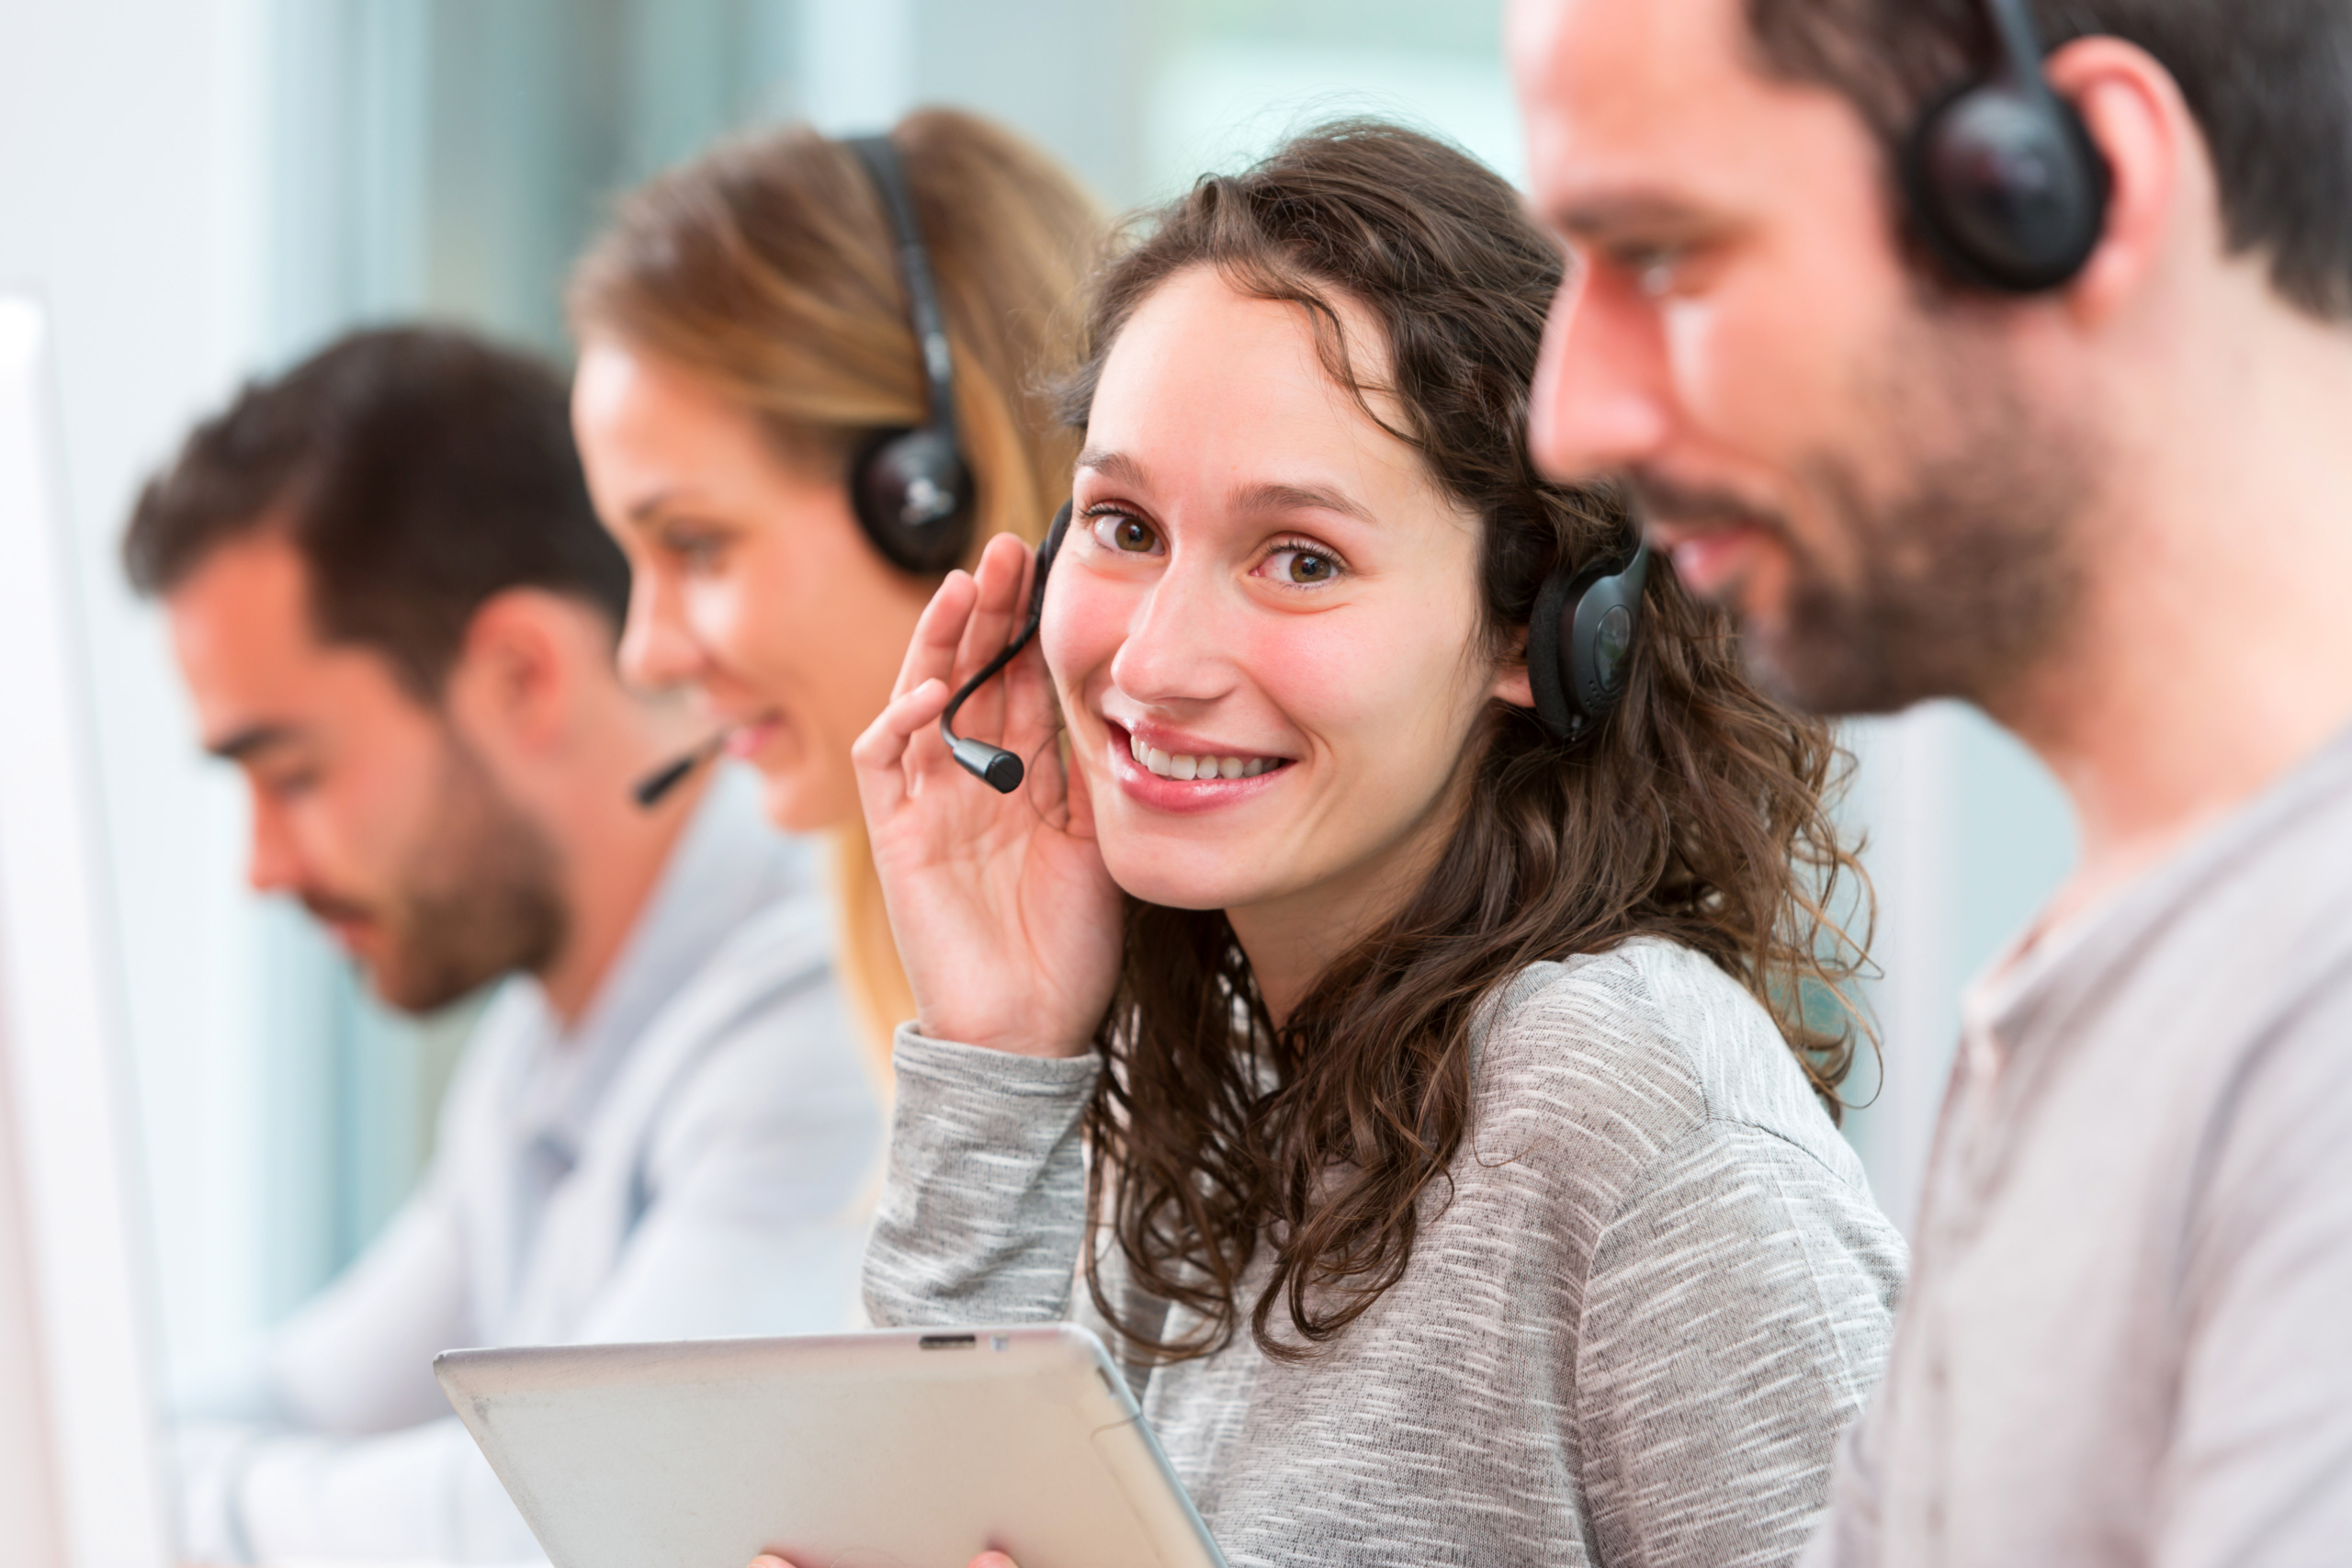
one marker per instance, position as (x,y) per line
(1168,767)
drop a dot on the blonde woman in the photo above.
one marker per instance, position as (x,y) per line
(752,365)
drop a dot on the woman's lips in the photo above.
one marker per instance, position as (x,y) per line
(745,737)
(1168,792)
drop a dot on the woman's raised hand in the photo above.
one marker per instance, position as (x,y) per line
(1006,920)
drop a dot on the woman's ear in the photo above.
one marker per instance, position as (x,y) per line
(1511,684)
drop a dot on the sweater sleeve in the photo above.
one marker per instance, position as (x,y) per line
(983,1211)
(1735,1320)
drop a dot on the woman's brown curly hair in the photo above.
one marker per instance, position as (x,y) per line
(1697,812)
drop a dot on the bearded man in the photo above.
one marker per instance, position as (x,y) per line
(397,615)
(2002,350)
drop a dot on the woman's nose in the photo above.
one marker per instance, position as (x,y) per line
(1179,647)
(656,649)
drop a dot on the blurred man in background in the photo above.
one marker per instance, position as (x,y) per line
(2037,397)
(397,613)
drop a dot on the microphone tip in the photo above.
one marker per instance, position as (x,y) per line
(992,765)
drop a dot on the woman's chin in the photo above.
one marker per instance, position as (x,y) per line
(1154,879)
(793,801)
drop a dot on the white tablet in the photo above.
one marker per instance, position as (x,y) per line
(918,1448)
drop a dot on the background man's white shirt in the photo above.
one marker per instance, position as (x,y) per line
(698,1157)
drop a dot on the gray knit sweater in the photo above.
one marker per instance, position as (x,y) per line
(1630,1333)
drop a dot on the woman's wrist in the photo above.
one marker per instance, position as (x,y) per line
(1045,1045)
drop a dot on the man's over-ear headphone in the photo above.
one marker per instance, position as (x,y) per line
(2002,177)
(912,488)
(1580,642)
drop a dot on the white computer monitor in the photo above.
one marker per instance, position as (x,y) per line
(81,1443)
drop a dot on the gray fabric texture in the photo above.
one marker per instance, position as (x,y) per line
(1630,1334)
(2128,1341)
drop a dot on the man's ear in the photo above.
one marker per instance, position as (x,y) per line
(516,676)
(1511,682)
(2158,169)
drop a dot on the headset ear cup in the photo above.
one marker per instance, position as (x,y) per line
(1547,675)
(2007,186)
(914,497)
(1580,639)
(1604,614)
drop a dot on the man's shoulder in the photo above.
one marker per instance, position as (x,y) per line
(767,991)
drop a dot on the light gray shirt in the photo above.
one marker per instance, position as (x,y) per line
(2128,1339)
(1654,1292)
(696,1157)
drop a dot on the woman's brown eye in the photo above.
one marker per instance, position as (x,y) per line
(1301,567)
(1131,535)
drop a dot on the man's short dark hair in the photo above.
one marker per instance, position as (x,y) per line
(417,471)
(2269,82)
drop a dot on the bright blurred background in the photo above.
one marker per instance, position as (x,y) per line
(208,189)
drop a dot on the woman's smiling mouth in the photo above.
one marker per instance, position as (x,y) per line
(1197,779)
(1202,768)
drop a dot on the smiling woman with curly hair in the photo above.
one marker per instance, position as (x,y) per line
(1448,1087)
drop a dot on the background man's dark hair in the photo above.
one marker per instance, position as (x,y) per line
(2269,82)
(417,471)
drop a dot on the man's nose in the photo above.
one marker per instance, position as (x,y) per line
(272,865)
(1599,403)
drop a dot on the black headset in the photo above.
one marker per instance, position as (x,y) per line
(1580,642)
(2002,178)
(912,488)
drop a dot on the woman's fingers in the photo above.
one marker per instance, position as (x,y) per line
(938,633)
(1026,703)
(996,616)
(998,582)
(880,755)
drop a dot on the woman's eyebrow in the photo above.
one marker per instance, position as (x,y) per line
(1273,496)
(648,511)
(1266,496)
(1116,466)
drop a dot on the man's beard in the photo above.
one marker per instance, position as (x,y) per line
(480,898)
(1962,581)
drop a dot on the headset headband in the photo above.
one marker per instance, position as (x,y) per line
(880,156)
